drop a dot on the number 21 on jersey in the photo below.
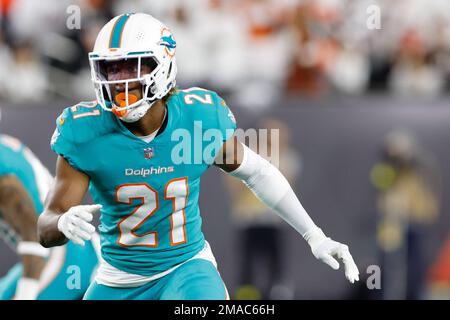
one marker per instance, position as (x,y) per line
(176,190)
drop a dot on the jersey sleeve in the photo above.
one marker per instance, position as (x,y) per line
(210,112)
(63,141)
(226,122)
(76,127)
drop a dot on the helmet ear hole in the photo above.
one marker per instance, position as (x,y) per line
(170,69)
(147,79)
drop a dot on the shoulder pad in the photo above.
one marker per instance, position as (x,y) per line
(209,108)
(83,122)
(79,124)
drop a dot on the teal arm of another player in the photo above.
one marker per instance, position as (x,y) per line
(18,211)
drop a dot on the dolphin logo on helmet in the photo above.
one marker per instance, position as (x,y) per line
(168,41)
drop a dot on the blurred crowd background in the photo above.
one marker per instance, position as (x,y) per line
(306,47)
(309,68)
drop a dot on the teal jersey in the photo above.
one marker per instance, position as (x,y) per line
(17,159)
(150,220)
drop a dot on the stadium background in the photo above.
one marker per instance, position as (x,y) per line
(337,87)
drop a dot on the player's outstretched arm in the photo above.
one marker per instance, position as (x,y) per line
(272,188)
(64,218)
(18,211)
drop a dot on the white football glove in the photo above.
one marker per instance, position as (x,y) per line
(76,225)
(326,249)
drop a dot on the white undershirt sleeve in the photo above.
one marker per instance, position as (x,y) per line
(272,188)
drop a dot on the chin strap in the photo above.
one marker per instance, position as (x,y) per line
(134,114)
(119,113)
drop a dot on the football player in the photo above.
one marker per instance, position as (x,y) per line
(42,273)
(137,150)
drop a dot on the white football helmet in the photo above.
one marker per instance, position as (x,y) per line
(139,38)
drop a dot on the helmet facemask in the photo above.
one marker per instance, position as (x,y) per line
(153,76)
